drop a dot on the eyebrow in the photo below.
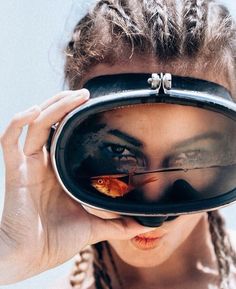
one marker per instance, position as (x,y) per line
(137,143)
(126,137)
(208,135)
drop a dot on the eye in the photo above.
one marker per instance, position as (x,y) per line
(121,158)
(193,157)
(118,150)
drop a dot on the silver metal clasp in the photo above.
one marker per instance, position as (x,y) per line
(161,80)
(155,81)
(167,82)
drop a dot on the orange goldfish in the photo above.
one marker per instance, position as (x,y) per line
(114,187)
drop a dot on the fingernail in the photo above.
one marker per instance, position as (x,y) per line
(83,93)
(32,109)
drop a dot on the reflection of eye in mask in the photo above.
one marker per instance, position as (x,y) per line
(149,152)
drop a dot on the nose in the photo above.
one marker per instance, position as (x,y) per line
(153,186)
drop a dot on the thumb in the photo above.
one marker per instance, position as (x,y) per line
(122,228)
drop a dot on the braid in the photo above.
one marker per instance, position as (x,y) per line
(77,51)
(168,30)
(222,246)
(121,11)
(195,23)
(79,272)
(102,279)
(79,36)
(122,24)
(112,261)
(162,27)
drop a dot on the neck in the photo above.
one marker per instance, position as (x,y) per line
(194,258)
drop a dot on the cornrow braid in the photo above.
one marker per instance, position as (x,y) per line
(89,46)
(122,25)
(194,22)
(102,278)
(121,10)
(225,254)
(80,269)
(112,261)
(76,50)
(162,27)
(114,30)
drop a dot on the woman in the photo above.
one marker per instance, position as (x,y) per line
(184,38)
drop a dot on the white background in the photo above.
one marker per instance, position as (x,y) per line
(32,37)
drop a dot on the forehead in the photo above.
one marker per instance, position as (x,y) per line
(180,67)
(144,119)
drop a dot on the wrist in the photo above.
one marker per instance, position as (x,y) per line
(14,264)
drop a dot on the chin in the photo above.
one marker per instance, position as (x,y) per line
(155,248)
(142,253)
(151,262)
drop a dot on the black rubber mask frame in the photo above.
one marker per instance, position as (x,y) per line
(124,90)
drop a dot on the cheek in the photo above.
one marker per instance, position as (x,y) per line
(182,227)
(101,214)
(178,232)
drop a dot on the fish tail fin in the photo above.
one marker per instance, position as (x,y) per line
(149,180)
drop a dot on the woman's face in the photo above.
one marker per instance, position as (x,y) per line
(154,248)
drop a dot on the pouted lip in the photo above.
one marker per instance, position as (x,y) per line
(143,243)
(148,240)
(155,234)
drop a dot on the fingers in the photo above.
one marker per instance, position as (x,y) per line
(10,138)
(53,111)
(55,98)
(120,229)
(108,226)
(100,213)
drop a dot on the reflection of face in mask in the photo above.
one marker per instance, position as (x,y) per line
(171,142)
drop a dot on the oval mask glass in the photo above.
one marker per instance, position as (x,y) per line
(150,159)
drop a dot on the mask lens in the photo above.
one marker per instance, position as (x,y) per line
(163,154)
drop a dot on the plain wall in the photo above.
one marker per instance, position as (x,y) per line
(33,35)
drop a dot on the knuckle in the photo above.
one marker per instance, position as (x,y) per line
(68,100)
(16,119)
(34,125)
(62,94)
(3,138)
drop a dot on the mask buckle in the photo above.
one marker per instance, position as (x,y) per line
(159,81)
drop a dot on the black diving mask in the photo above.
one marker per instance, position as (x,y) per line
(149,146)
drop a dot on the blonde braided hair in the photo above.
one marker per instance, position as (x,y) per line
(225,254)
(91,254)
(80,269)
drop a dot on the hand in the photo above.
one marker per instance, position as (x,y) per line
(41,225)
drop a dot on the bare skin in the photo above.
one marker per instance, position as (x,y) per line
(184,256)
(38,216)
(183,268)
(57,227)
